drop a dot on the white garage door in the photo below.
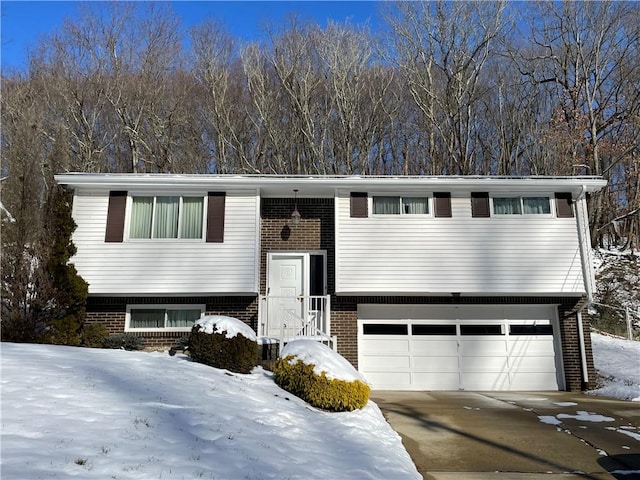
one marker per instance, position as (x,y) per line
(454,348)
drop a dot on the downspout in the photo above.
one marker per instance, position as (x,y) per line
(587,274)
(583,351)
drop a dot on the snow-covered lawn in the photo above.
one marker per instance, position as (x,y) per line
(100,414)
(109,414)
(618,362)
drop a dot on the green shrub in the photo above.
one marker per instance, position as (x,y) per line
(183,341)
(62,331)
(335,395)
(237,354)
(125,341)
(94,335)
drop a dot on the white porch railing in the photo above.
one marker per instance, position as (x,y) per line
(290,318)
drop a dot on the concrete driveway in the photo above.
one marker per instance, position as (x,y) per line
(521,435)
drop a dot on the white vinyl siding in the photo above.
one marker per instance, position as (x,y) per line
(169,266)
(506,254)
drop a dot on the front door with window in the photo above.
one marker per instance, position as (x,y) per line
(285,287)
(291,278)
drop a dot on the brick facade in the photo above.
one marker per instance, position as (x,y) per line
(111,311)
(316,231)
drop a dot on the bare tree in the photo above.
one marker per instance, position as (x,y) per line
(132,50)
(25,167)
(588,52)
(225,108)
(441,48)
(356,91)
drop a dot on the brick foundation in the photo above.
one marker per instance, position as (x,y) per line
(111,311)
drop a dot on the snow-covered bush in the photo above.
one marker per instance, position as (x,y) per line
(224,342)
(321,377)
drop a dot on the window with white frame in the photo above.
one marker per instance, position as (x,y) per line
(166,217)
(521,205)
(163,317)
(386,205)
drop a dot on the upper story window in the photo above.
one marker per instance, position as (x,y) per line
(166,217)
(400,205)
(521,206)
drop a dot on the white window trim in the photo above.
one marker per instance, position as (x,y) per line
(551,213)
(428,196)
(129,211)
(166,306)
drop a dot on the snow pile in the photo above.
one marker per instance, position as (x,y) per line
(618,362)
(93,414)
(232,326)
(323,359)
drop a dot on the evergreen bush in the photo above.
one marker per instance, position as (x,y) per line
(298,378)
(124,341)
(94,335)
(237,354)
(65,288)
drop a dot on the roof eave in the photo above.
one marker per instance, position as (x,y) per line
(287,182)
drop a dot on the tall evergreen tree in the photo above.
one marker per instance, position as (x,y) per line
(67,291)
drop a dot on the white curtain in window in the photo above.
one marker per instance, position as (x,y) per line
(386,205)
(182,318)
(415,205)
(166,217)
(147,318)
(506,206)
(536,205)
(191,226)
(141,217)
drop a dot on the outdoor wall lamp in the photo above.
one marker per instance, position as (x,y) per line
(295,215)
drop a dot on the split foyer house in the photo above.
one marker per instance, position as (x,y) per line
(422,283)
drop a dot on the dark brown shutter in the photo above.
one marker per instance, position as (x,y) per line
(564,205)
(480,204)
(442,206)
(115,216)
(215,217)
(359,205)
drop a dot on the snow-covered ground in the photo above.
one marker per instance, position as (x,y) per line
(618,363)
(99,414)
(80,413)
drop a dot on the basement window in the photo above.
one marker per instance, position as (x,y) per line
(176,318)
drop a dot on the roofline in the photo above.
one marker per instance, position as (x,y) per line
(131,180)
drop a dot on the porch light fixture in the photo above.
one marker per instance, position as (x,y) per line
(295,215)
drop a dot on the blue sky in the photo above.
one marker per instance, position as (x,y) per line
(23,22)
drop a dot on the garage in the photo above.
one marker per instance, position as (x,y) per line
(481,347)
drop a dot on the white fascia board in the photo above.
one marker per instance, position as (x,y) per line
(327,186)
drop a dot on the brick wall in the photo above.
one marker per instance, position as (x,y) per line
(571,356)
(316,231)
(111,311)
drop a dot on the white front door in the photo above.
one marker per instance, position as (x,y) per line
(285,285)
